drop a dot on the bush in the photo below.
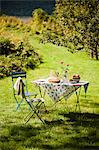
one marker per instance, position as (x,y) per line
(17,57)
(9,23)
(6,47)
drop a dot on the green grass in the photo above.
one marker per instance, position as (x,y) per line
(63,130)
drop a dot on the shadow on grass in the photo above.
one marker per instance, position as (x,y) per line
(19,136)
(80,122)
(47,137)
(83,119)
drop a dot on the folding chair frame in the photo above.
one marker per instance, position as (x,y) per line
(34,109)
(27,94)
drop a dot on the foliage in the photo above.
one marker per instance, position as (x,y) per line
(38,21)
(75,25)
(6,47)
(13,23)
(17,56)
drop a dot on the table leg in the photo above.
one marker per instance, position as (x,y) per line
(40,91)
(77,100)
(42,94)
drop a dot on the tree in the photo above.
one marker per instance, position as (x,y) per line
(76,23)
(81,18)
(39,19)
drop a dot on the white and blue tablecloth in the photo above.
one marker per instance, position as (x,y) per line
(56,91)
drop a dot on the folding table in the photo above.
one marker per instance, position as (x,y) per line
(58,91)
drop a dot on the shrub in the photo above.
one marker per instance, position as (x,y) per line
(10,22)
(17,56)
(6,47)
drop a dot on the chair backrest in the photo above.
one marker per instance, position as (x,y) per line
(18,74)
(15,76)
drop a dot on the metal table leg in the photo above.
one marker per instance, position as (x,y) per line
(77,96)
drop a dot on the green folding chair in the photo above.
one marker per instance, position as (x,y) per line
(33,102)
(21,76)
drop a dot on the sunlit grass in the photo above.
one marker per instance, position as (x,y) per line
(65,128)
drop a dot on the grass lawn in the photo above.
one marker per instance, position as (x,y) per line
(63,130)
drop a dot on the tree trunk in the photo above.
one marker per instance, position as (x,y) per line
(92,54)
(96,51)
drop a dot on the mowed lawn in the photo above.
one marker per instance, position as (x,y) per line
(65,128)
